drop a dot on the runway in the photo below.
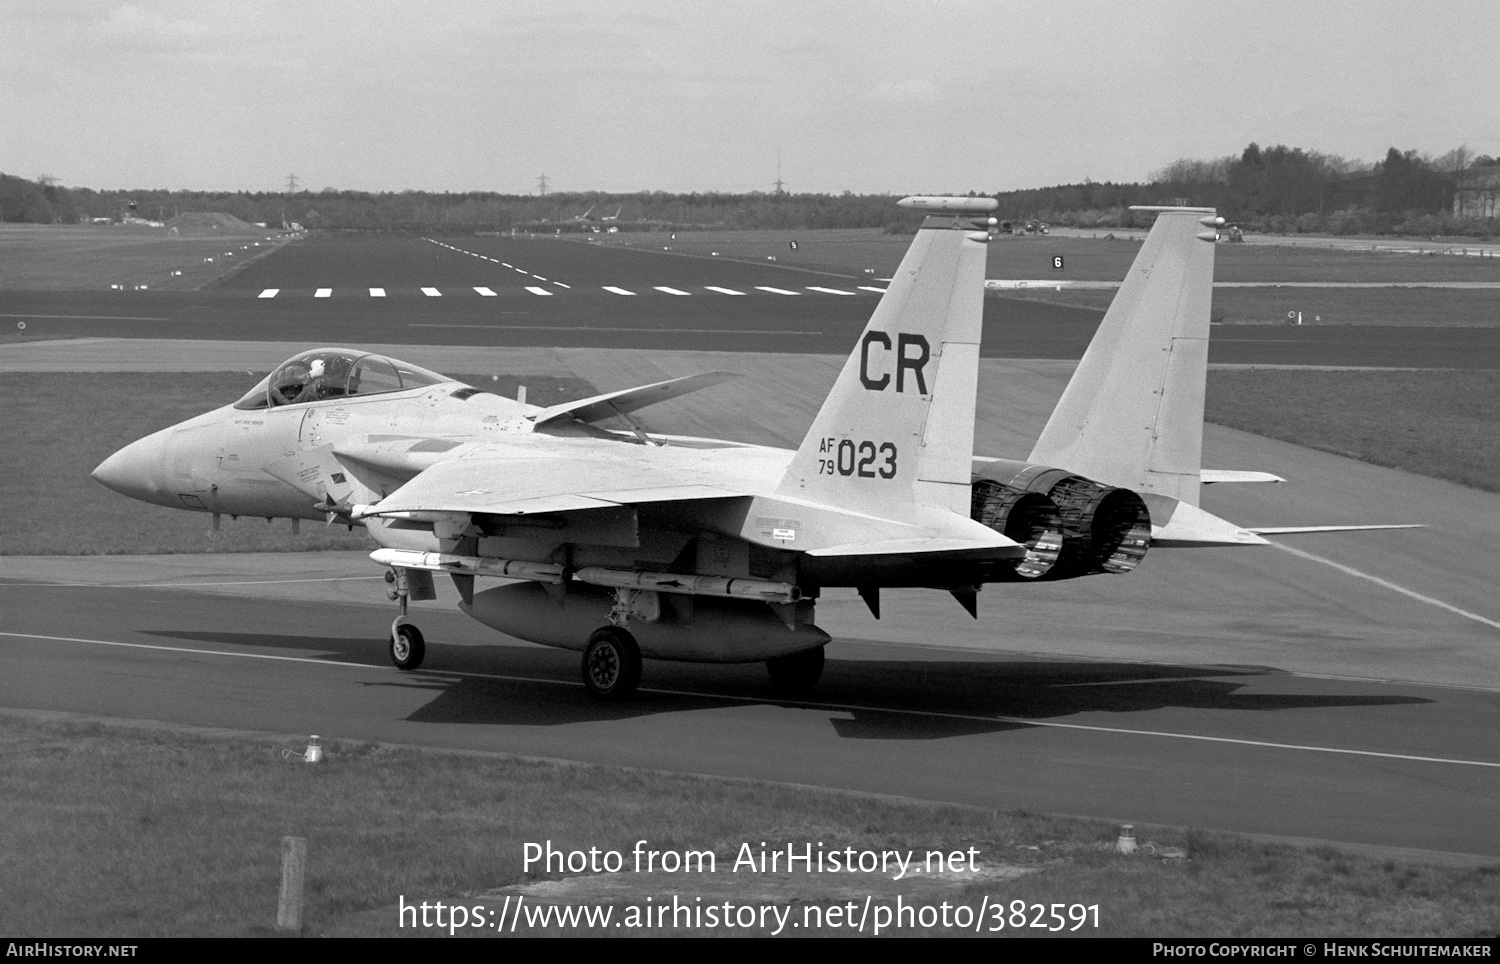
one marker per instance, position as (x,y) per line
(1343,688)
(483,291)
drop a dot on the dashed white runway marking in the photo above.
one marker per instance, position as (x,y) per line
(489,291)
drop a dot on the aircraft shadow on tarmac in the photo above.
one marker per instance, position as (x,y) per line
(867,699)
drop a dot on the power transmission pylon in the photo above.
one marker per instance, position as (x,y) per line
(541,183)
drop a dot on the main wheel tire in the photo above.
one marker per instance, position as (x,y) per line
(407,647)
(796,672)
(611,664)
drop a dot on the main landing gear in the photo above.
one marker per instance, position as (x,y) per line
(611,664)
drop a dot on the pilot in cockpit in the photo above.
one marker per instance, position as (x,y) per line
(312,379)
(293,384)
(324,374)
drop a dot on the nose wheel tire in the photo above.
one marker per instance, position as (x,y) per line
(407,647)
(796,672)
(611,664)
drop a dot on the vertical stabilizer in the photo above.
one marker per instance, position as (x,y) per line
(897,429)
(1132,415)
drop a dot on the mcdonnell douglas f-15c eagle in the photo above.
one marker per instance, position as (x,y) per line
(627,545)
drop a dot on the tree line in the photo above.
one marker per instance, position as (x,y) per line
(1277,189)
(1287,190)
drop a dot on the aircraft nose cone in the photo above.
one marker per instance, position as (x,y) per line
(135,470)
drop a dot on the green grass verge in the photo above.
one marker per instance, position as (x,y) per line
(1403,307)
(136,832)
(1437,423)
(58,427)
(94,257)
(1397,307)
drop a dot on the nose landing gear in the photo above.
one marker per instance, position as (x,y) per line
(407,646)
(406,643)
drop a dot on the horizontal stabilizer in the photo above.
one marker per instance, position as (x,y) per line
(601,407)
(1210,476)
(1299,530)
(1190,527)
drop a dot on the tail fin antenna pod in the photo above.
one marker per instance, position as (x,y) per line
(898,427)
(1132,415)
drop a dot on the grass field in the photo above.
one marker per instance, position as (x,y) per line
(1441,424)
(93,257)
(1405,307)
(135,831)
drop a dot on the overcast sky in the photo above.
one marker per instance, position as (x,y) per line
(898,96)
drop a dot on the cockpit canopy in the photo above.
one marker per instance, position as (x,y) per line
(325,373)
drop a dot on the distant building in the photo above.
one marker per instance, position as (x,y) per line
(1476,194)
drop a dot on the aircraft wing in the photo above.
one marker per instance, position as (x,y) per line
(609,405)
(525,486)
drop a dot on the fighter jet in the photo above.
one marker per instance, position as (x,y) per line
(626,545)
